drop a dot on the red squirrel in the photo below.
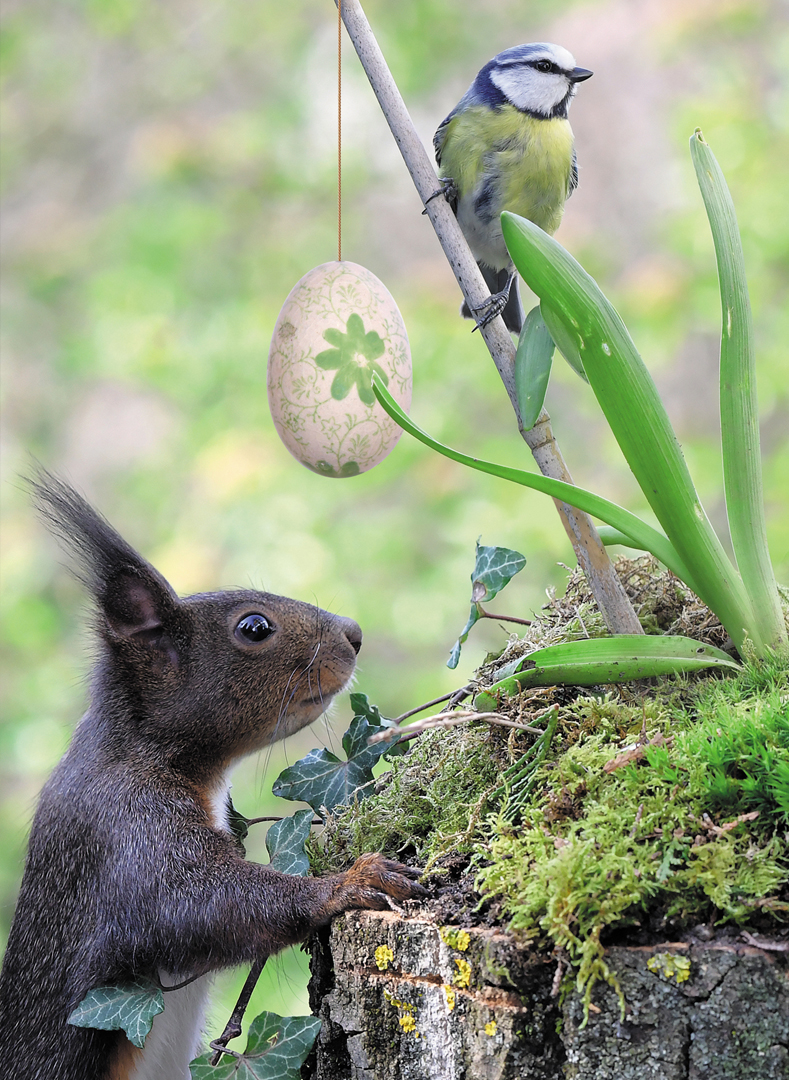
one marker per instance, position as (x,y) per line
(132,869)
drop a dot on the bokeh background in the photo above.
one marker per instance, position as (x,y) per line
(168,174)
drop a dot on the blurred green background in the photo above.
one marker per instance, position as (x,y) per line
(168,174)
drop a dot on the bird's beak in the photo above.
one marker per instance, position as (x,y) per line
(579,74)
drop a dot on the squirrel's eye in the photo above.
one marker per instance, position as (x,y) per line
(254,628)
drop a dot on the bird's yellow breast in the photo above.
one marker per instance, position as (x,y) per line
(521,163)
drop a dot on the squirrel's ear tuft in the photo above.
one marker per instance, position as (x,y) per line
(132,595)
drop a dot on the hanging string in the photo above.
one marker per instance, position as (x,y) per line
(339,130)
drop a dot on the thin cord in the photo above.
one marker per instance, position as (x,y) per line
(339,130)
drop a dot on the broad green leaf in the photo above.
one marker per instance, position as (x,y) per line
(494,567)
(642,534)
(362,707)
(593,661)
(533,361)
(742,473)
(285,844)
(575,307)
(277,1047)
(324,781)
(130,1008)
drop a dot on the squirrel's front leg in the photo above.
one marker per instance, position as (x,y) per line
(238,911)
(370,883)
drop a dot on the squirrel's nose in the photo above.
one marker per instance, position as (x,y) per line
(353,633)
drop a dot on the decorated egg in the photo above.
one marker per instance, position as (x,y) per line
(338,326)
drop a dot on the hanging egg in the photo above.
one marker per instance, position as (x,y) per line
(338,325)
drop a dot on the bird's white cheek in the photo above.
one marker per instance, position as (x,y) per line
(530,90)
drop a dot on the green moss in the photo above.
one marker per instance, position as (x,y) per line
(690,826)
(689,830)
(430,803)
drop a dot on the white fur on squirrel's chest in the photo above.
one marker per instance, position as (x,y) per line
(176,1036)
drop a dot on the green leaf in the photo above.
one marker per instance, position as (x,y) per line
(565,342)
(593,661)
(533,361)
(642,534)
(239,825)
(362,707)
(285,844)
(324,781)
(742,473)
(611,536)
(276,1049)
(454,655)
(576,308)
(494,568)
(130,1008)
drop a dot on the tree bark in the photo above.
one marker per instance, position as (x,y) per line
(727,1020)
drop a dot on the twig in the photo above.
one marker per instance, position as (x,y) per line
(464,691)
(446,720)
(501,618)
(768,946)
(281,817)
(590,552)
(233,1026)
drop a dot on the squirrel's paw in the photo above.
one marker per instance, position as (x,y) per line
(372,879)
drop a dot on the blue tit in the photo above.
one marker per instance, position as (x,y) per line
(507,145)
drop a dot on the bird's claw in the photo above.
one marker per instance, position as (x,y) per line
(448,188)
(490,308)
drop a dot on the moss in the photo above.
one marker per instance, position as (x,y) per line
(690,830)
(658,805)
(429,803)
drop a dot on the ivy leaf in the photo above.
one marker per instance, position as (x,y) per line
(130,1008)
(362,707)
(324,781)
(239,825)
(277,1047)
(285,844)
(494,568)
(454,656)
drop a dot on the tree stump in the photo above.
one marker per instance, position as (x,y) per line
(404,999)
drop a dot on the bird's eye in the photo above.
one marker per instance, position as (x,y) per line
(544,65)
(253,629)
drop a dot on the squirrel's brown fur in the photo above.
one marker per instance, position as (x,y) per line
(130,872)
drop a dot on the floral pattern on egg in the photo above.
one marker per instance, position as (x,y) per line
(338,326)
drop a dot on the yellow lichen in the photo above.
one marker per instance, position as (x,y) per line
(455,939)
(463,977)
(490,1028)
(408,1023)
(670,965)
(383,957)
(449,994)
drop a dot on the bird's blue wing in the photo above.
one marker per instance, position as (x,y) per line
(440,136)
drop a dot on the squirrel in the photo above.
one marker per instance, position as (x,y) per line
(132,869)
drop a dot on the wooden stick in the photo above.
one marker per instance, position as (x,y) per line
(233,1026)
(589,550)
